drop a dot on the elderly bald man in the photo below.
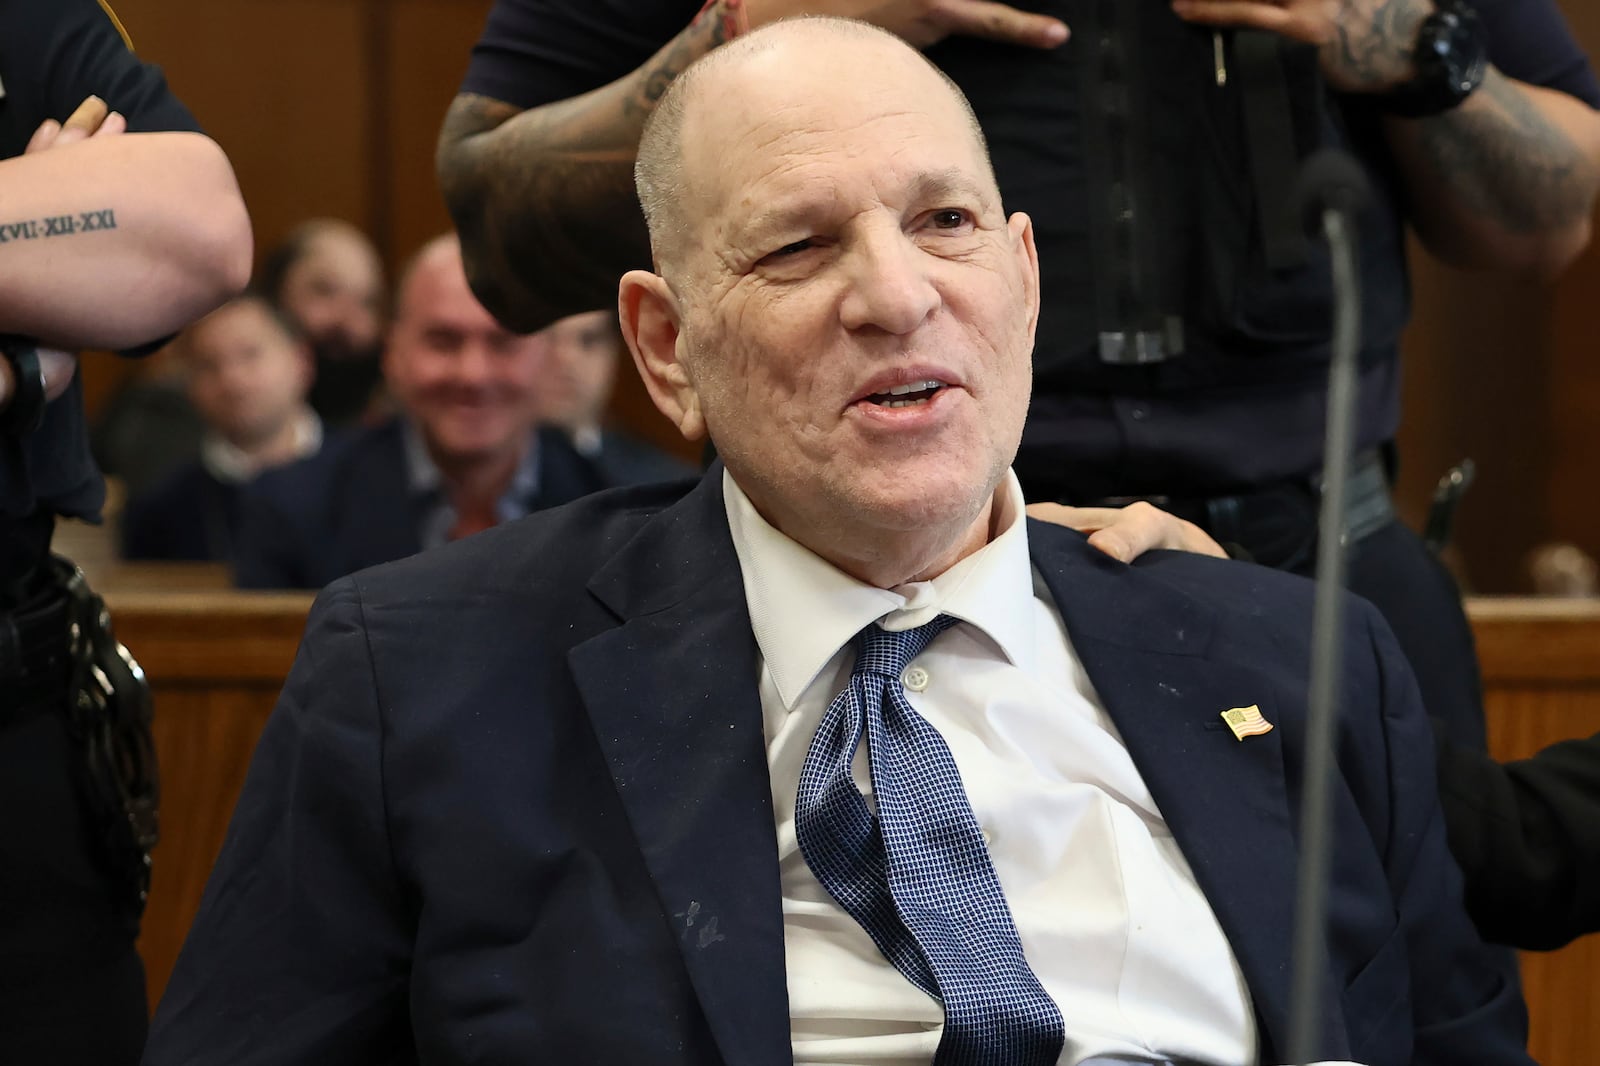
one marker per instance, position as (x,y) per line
(833,757)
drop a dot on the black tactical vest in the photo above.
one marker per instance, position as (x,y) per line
(1157,160)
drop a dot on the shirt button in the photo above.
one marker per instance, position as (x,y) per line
(988,837)
(915,679)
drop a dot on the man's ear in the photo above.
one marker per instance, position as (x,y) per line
(1021,228)
(651,318)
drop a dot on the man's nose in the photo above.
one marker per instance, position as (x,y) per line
(890,286)
(473,366)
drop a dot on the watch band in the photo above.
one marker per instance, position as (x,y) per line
(1451,60)
(25,410)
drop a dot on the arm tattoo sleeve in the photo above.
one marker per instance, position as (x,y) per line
(546,206)
(1505,159)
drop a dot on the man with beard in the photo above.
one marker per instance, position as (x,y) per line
(327,277)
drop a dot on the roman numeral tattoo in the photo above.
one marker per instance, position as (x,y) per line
(58,226)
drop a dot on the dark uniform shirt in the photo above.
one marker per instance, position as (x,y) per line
(1243,404)
(53,54)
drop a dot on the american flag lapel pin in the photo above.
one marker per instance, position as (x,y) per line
(1246,721)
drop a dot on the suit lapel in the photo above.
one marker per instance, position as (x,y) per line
(672,696)
(1224,799)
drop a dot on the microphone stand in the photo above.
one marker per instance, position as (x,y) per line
(1310,953)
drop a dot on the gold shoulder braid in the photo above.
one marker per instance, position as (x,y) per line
(121,29)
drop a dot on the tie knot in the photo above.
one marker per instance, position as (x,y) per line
(886,652)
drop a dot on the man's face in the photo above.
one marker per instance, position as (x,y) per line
(470,385)
(580,369)
(334,292)
(857,311)
(247,376)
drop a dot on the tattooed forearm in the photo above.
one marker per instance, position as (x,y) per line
(1502,157)
(710,28)
(1372,44)
(544,198)
(38,229)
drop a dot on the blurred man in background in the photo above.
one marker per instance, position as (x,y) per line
(327,277)
(463,455)
(248,373)
(580,372)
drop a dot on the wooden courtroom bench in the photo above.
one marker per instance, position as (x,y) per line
(216,660)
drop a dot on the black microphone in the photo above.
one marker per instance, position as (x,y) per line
(1331,190)
(1330,180)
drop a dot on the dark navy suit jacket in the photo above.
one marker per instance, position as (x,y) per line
(626,460)
(351,506)
(513,807)
(190,515)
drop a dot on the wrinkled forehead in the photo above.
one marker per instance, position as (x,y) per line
(765,128)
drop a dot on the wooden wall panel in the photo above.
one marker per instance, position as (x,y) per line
(284,86)
(1572,399)
(429,44)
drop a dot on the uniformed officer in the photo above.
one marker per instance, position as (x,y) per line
(119,223)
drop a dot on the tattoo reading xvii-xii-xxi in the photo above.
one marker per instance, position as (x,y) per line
(58,226)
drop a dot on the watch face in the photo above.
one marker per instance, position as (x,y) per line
(1450,50)
(1451,59)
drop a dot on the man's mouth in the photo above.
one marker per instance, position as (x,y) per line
(907,395)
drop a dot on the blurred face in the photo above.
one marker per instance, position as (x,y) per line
(581,368)
(470,385)
(334,291)
(248,377)
(854,311)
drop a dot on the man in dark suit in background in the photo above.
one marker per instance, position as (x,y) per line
(580,373)
(588,788)
(248,374)
(463,456)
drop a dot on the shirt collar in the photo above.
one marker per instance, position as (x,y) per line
(804,609)
(232,466)
(588,440)
(424,478)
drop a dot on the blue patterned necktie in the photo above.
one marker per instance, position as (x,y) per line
(916,875)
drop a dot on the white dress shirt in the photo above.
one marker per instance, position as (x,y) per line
(1110,916)
(231,465)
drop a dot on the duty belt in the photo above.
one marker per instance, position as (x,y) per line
(1367,510)
(35,652)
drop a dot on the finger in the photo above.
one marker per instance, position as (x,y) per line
(70,135)
(1114,543)
(88,116)
(1103,524)
(1083,519)
(114,124)
(1253,14)
(58,369)
(43,137)
(1002,22)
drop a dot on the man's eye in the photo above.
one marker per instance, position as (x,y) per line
(790,249)
(949,218)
